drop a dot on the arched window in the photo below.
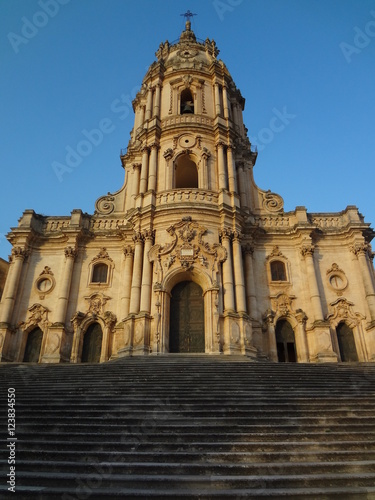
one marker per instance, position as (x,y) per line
(278,271)
(100,273)
(187,102)
(186,173)
(286,348)
(345,339)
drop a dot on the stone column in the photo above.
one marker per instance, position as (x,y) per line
(66,280)
(231,170)
(239,277)
(236,118)
(251,298)
(149,104)
(217,100)
(127,280)
(141,116)
(225,235)
(205,157)
(307,252)
(110,321)
(157,100)
(144,171)
(225,102)
(135,183)
(137,275)
(269,317)
(242,186)
(153,167)
(221,166)
(300,338)
(147,273)
(10,293)
(361,251)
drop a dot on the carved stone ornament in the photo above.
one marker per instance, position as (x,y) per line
(37,316)
(282,304)
(275,253)
(187,250)
(105,205)
(272,202)
(102,255)
(342,310)
(96,303)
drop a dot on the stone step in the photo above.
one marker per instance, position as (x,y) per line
(132,452)
(199,482)
(189,444)
(191,435)
(95,491)
(196,468)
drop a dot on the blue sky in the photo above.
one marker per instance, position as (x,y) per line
(66,66)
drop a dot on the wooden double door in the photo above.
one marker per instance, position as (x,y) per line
(186,332)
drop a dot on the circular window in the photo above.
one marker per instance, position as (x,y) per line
(44,285)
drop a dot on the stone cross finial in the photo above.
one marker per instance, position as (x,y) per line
(188,15)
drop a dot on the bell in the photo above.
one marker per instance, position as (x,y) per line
(187,108)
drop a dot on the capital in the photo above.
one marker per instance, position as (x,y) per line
(307,249)
(128,251)
(360,249)
(70,252)
(248,249)
(225,234)
(19,253)
(137,166)
(237,236)
(138,237)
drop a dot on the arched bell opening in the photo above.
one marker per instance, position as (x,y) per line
(346,343)
(186,102)
(92,344)
(186,330)
(186,172)
(33,346)
(285,341)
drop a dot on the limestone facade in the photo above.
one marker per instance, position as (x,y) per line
(275,285)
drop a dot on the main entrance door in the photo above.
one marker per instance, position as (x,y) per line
(33,345)
(348,351)
(186,332)
(286,348)
(92,344)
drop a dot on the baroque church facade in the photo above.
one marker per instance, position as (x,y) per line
(190,255)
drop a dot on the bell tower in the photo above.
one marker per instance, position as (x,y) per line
(188,190)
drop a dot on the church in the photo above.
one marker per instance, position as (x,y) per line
(190,255)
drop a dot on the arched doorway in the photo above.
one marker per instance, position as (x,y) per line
(345,339)
(33,346)
(186,331)
(286,346)
(92,344)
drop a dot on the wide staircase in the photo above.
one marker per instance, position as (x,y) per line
(190,427)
